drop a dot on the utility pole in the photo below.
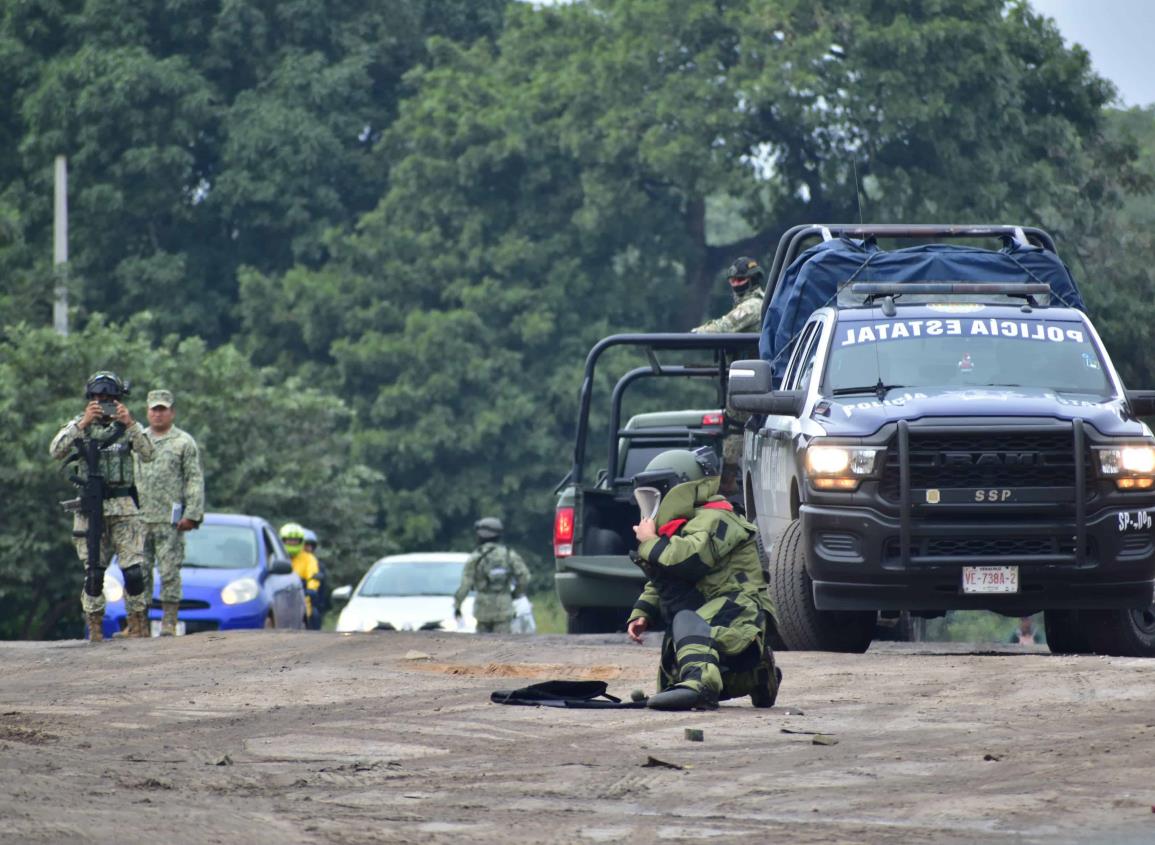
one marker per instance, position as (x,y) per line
(60,248)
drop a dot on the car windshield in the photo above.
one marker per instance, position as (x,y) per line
(964,352)
(221,547)
(401,578)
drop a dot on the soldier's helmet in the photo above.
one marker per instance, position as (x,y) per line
(105,383)
(488,528)
(293,536)
(743,273)
(677,466)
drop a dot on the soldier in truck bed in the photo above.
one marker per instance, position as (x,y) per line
(745,278)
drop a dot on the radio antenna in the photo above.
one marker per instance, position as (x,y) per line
(857,189)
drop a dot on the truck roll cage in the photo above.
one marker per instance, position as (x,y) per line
(725,348)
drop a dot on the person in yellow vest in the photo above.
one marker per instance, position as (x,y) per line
(304,563)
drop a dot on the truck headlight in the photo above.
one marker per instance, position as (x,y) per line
(840,467)
(1132,466)
(240,591)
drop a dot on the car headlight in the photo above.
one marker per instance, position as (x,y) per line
(840,467)
(113,589)
(240,591)
(1132,466)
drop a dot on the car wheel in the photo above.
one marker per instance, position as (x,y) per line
(1066,632)
(270,621)
(1122,633)
(803,627)
(775,638)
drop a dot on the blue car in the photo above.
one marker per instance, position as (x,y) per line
(235,574)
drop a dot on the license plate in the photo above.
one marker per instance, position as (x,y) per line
(990,579)
(154,627)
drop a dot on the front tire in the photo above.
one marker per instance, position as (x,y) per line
(803,627)
(1066,632)
(1122,633)
(270,621)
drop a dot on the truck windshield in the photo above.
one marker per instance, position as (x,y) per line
(965,352)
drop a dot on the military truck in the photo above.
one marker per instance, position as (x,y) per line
(939,427)
(597,583)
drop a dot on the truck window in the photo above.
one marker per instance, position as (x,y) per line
(805,368)
(805,340)
(966,352)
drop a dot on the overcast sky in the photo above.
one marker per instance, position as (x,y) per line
(1118,34)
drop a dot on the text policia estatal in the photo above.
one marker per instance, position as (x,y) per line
(905,329)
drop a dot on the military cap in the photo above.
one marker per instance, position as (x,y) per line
(160,399)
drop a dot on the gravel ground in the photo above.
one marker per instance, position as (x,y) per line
(317,737)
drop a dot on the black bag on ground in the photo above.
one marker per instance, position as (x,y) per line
(578,694)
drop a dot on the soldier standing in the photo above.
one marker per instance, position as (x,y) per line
(497,573)
(745,278)
(172,488)
(697,554)
(101,443)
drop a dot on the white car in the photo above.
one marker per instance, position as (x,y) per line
(410,592)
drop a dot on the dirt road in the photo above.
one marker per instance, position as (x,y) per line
(315,737)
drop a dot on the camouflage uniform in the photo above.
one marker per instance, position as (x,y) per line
(745,316)
(705,561)
(123,531)
(499,575)
(173,477)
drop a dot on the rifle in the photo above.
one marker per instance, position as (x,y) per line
(91,503)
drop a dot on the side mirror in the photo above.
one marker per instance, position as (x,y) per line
(342,593)
(280,566)
(750,390)
(1142,402)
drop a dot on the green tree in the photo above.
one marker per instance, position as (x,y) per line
(555,187)
(204,136)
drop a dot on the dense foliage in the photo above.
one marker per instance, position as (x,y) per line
(370,243)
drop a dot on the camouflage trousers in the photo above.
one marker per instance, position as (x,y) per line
(123,536)
(700,662)
(500,626)
(164,546)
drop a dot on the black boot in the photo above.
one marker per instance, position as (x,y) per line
(683,698)
(769,679)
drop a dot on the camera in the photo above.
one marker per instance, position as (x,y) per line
(108,409)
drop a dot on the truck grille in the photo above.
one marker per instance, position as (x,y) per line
(976,459)
(1022,548)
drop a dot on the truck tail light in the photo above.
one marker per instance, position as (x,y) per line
(713,419)
(563,532)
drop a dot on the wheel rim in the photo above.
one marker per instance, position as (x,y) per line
(1144,620)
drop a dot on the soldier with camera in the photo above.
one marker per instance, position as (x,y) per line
(99,446)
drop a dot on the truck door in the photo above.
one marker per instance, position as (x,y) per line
(778,436)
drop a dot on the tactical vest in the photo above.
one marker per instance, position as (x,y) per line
(495,571)
(115,459)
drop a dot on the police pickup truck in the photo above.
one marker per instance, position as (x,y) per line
(944,431)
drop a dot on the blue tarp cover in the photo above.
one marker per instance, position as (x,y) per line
(815,277)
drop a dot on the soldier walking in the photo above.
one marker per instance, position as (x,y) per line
(101,444)
(172,488)
(497,573)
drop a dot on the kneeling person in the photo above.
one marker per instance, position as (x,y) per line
(693,551)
